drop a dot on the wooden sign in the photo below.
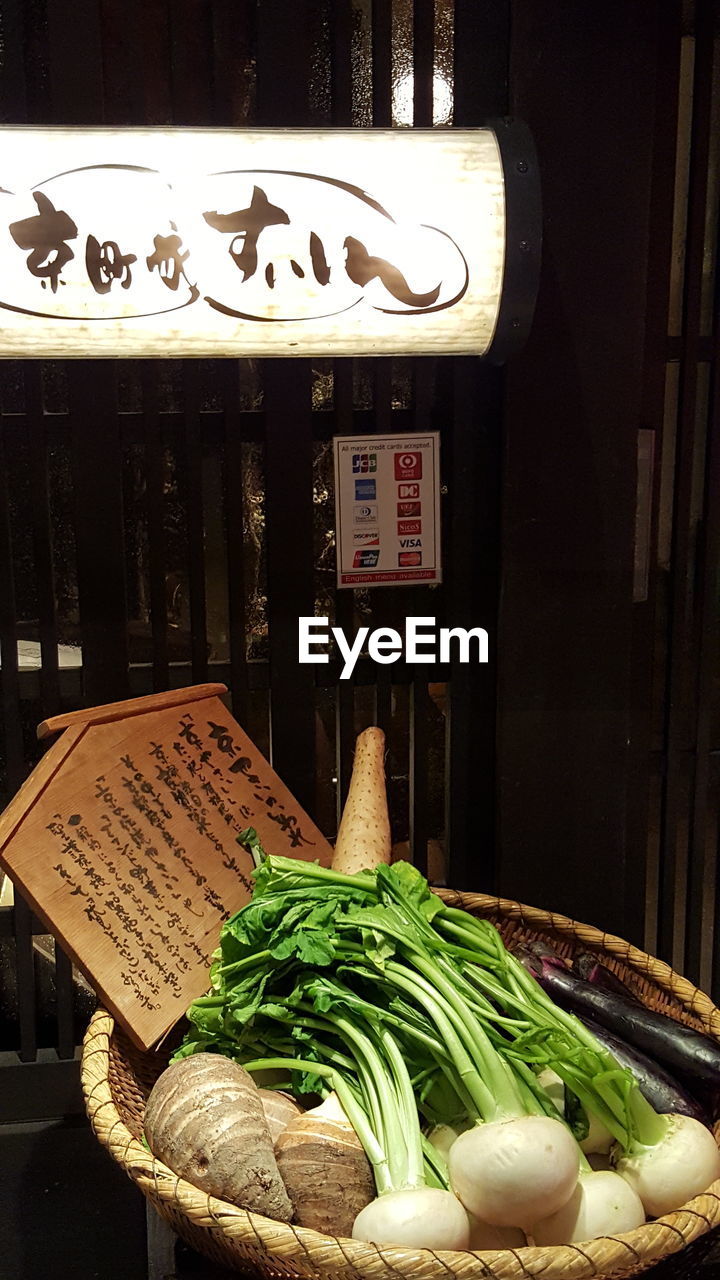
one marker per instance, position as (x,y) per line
(124,839)
(222,242)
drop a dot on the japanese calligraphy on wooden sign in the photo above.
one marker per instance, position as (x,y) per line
(124,839)
(219,242)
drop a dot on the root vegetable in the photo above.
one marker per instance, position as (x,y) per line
(599,1139)
(420,1218)
(280,1111)
(363,839)
(511,1173)
(324,1167)
(204,1119)
(602,1204)
(442,1137)
(678,1166)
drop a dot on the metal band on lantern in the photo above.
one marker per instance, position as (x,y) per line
(195,242)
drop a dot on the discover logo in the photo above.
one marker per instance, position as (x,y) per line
(422,642)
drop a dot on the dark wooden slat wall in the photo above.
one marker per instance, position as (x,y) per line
(472,538)
(572,414)
(683,859)
(641,880)
(552,777)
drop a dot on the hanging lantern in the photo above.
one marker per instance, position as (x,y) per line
(198,242)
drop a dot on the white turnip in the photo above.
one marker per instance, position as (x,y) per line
(680,1165)
(510,1173)
(602,1204)
(420,1218)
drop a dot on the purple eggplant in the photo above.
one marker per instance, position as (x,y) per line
(587,966)
(657,1085)
(691,1056)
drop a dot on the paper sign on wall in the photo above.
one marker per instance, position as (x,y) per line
(387,509)
(124,839)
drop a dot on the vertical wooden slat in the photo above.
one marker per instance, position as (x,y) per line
(191,65)
(14,760)
(193,497)
(282,99)
(42,540)
(382,63)
(64,1004)
(155,511)
(682,870)
(421,601)
(382,599)
(99,531)
(77,90)
(704,928)
(641,879)
(288,515)
(423,62)
(76,67)
(13,85)
(235,535)
(122,39)
(471,593)
(233,26)
(344,605)
(481,54)
(18,107)
(154,63)
(233,104)
(341,17)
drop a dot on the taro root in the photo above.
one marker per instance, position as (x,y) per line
(324,1167)
(204,1119)
(280,1110)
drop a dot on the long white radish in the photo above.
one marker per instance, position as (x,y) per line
(363,840)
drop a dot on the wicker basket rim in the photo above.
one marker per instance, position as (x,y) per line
(602,1257)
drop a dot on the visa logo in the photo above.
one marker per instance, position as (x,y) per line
(411,542)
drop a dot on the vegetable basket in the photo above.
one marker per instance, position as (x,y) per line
(117,1079)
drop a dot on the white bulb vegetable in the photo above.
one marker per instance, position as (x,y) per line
(511,1173)
(554,1087)
(602,1204)
(442,1137)
(599,1139)
(421,1218)
(670,1172)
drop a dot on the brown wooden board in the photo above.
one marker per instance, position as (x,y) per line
(124,839)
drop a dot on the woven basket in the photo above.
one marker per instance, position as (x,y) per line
(117,1078)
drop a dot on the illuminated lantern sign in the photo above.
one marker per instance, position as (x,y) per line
(226,243)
